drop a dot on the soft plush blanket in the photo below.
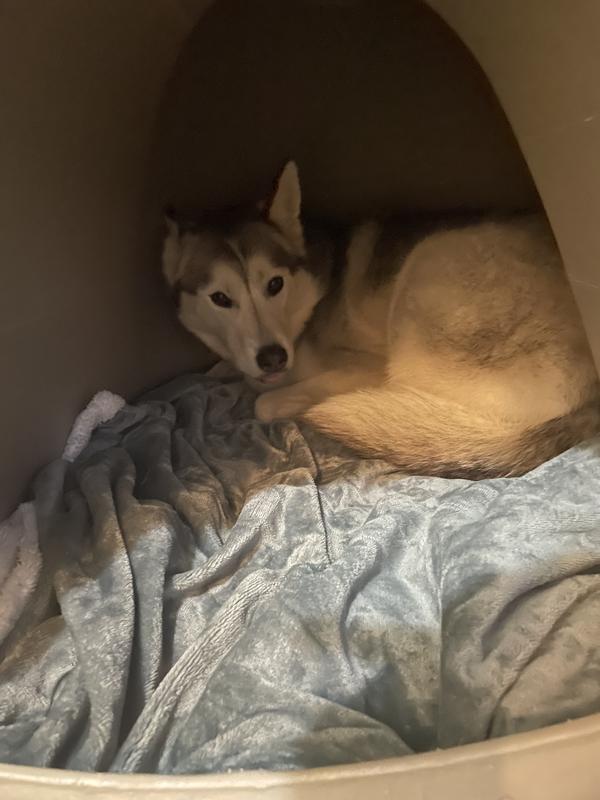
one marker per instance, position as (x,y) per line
(200,592)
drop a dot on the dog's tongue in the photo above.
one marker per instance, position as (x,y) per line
(271,377)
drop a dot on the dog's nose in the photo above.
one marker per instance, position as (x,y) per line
(271,358)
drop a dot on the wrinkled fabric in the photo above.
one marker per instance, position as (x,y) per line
(218,594)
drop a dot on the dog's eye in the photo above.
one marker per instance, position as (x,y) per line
(275,285)
(221,299)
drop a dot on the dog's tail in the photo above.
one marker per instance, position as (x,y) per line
(425,435)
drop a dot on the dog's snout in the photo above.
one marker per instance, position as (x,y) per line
(271,358)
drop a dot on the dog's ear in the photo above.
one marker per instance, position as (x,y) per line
(171,253)
(283,209)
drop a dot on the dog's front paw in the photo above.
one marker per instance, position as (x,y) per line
(280,405)
(265,408)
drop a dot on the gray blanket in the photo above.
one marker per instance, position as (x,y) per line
(216,594)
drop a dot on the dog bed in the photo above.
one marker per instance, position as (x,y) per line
(198,592)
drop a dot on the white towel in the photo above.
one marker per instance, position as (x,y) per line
(102,408)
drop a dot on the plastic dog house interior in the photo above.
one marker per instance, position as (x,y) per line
(110,109)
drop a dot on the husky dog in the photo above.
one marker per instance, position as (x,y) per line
(454,351)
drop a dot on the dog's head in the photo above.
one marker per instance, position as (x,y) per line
(247,290)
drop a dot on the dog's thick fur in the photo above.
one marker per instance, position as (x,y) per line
(454,351)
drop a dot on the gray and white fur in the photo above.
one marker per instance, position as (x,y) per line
(454,350)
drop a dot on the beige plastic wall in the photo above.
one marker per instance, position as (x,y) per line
(81,302)
(80,307)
